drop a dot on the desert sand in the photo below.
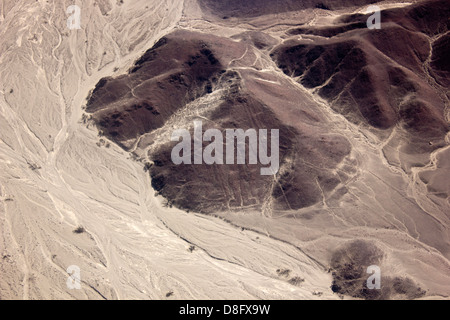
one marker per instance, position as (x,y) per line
(56,175)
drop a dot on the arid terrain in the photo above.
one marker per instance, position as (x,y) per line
(87,179)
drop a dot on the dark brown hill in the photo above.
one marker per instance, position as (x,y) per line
(254,8)
(185,66)
(379,77)
(167,77)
